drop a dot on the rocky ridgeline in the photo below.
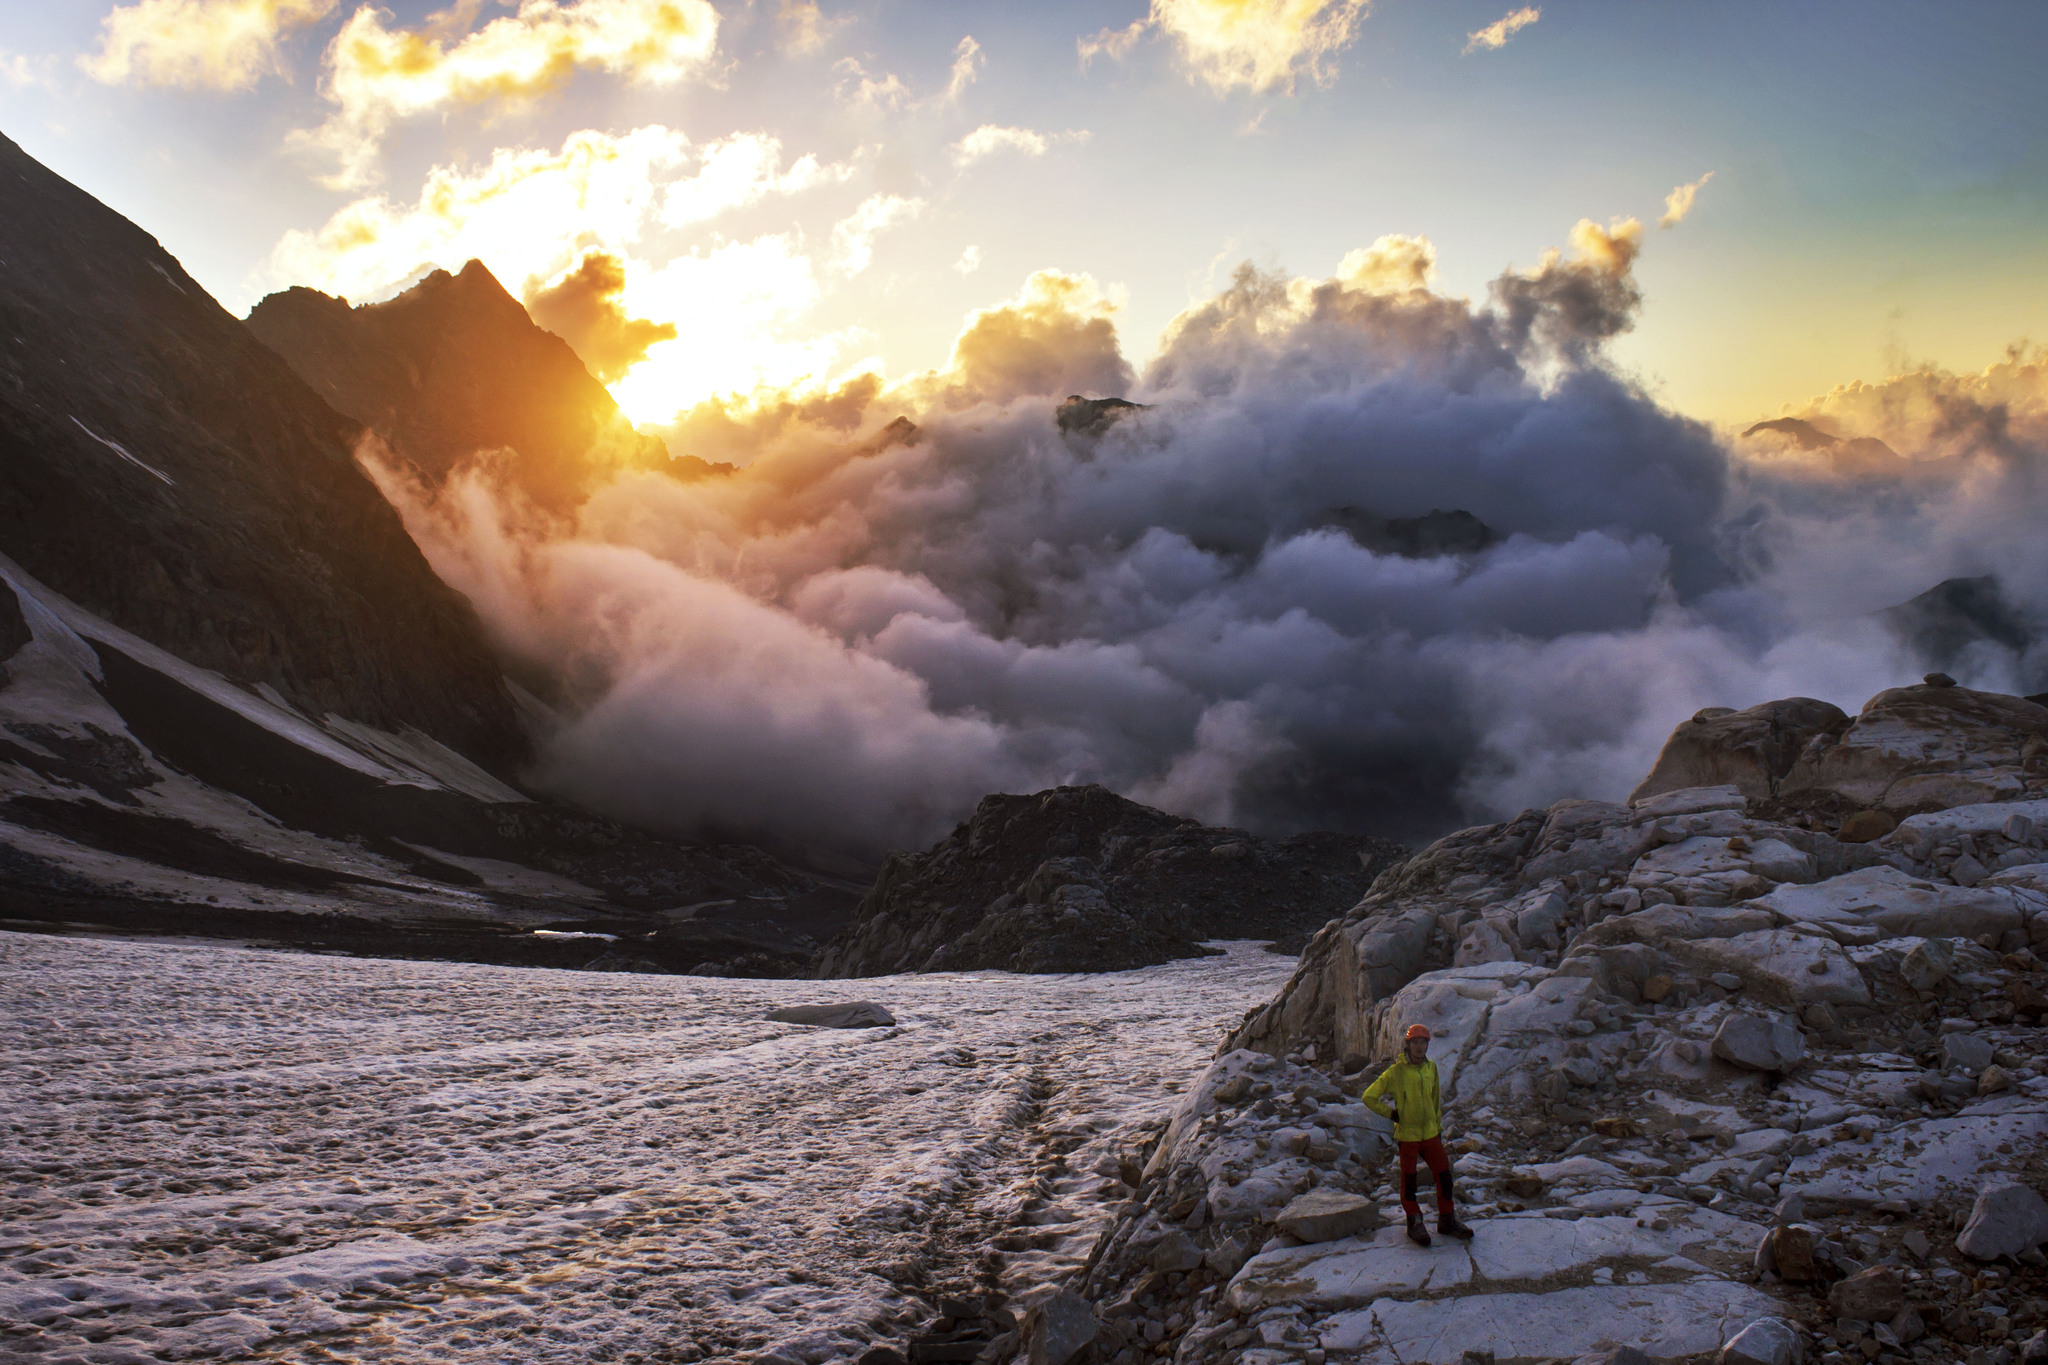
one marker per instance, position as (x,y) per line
(1079,879)
(1749,1069)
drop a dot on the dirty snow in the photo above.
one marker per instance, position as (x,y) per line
(218,1151)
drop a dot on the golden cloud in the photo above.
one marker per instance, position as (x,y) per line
(990,138)
(582,308)
(379,75)
(737,171)
(1257,44)
(1496,34)
(1678,203)
(1058,336)
(197,44)
(525,214)
(1393,264)
(853,237)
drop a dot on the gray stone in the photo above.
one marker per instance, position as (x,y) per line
(2007,1219)
(852,1014)
(1928,964)
(1615,1355)
(1727,981)
(1057,1328)
(1758,1044)
(1966,1049)
(1583,1071)
(1873,1295)
(1767,1341)
(1791,1209)
(1324,1215)
(1967,871)
(1536,925)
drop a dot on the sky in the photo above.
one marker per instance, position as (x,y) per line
(841,186)
(1447,322)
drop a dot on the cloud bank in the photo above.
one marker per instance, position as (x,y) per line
(1255,45)
(1244,599)
(197,44)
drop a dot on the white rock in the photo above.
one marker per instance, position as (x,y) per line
(1767,1341)
(1779,965)
(1759,1044)
(1349,1273)
(2007,1218)
(1536,923)
(1919,835)
(1325,1215)
(1899,904)
(1688,801)
(1665,1321)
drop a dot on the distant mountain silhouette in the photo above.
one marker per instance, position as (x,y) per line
(454,366)
(164,469)
(1859,455)
(1955,614)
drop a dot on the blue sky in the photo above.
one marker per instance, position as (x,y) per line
(1880,171)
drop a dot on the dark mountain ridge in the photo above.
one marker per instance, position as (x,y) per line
(454,366)
(164,469)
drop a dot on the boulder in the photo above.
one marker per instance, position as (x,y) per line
(1755,1043)
(1912,748)
(2007,1219)
(1324,1215)
(1056,1328)
(1751,750)
(1928,963)
(1767,1341)
(852,1014)
(1873,1295)
(1792,1253)
(1866,825)
(1966,1050)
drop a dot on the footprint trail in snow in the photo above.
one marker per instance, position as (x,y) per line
(224,1152)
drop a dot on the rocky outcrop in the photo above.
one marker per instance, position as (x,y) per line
(1956,613)
(1715,1080)
(1928,747)
(453,367)
(1081,879)
(1751,750)
(163,468)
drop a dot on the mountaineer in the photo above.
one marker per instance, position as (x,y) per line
(1406,1092)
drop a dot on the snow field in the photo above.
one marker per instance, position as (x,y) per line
(218,1152)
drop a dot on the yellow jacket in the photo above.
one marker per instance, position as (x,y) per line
(1410,1088)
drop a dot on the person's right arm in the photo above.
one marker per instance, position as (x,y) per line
(1375,1098)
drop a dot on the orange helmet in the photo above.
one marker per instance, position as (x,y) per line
(1417,1031)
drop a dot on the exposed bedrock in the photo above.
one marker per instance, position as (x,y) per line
(1725,1073)
(1081,879)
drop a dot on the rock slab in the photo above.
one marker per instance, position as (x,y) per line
(852,1014)
(1059,1327)
(2006,1220)
(1755,1043)
(1324,1215)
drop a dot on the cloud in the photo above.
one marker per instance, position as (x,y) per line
(377,76)
(1678,203)
(853,237)
(967,63)
(889,93)
(1208,602)
(990,138)
(1256,45)
(803,26)
(582,307)
(197,44)
(969,262)
(1496,34)
(737,171)
(524,214)
(1058,336)
(1113,43)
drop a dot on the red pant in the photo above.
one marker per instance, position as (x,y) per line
(1431,1150)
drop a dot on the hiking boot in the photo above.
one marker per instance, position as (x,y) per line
(1449,1226)
(1417,1233)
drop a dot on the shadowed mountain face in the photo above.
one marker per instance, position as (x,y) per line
(1953,615)
(161,467)
(454,366)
